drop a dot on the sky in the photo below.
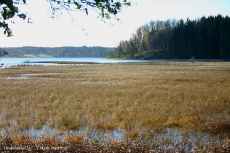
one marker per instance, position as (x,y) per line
(79,29)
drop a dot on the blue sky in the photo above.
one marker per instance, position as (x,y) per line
(67,31)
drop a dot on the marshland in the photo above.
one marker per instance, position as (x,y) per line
(119,107)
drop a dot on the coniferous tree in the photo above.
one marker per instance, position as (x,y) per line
(205,38)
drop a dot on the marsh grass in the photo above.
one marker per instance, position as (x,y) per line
(133,97)
(76,143)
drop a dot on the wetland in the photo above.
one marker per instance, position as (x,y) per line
(117,107)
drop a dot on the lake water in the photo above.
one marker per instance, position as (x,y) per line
(17,61)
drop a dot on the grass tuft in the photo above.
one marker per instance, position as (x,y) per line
(217,127)
(141,99)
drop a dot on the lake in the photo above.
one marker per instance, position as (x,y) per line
(17,61)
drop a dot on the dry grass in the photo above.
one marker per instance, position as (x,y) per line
(20,143)
(131,97)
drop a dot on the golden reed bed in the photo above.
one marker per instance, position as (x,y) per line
(141,99)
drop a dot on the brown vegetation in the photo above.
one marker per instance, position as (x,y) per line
(20,143)
(135,98)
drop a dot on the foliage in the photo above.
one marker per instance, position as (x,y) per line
(192,59)
(103,7)
(10,9)
(205,38)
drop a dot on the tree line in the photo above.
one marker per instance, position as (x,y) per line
(59,51)
(204,38)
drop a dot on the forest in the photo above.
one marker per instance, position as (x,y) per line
(58,51)
(204,38)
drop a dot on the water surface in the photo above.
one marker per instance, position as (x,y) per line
(44,61)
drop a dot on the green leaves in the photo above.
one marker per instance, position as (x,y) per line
(9,10)
(8,13)
(107,16)
(128,4)
(7,29)
(108,7)
(98,4)
(78,5)
(23,16)
(118,5)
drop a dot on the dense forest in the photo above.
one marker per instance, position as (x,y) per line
(58,51)
(204,38)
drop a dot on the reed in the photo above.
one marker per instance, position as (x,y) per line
(125,96)
(76,143)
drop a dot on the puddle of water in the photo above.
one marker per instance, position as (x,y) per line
(26,76)
(37,74)
(172,138)
(104,136)
(13,78)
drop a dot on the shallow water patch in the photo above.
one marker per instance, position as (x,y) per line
(172,138)
(53,76)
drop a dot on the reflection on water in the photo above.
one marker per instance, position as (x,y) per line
(172,138)
(48,61)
